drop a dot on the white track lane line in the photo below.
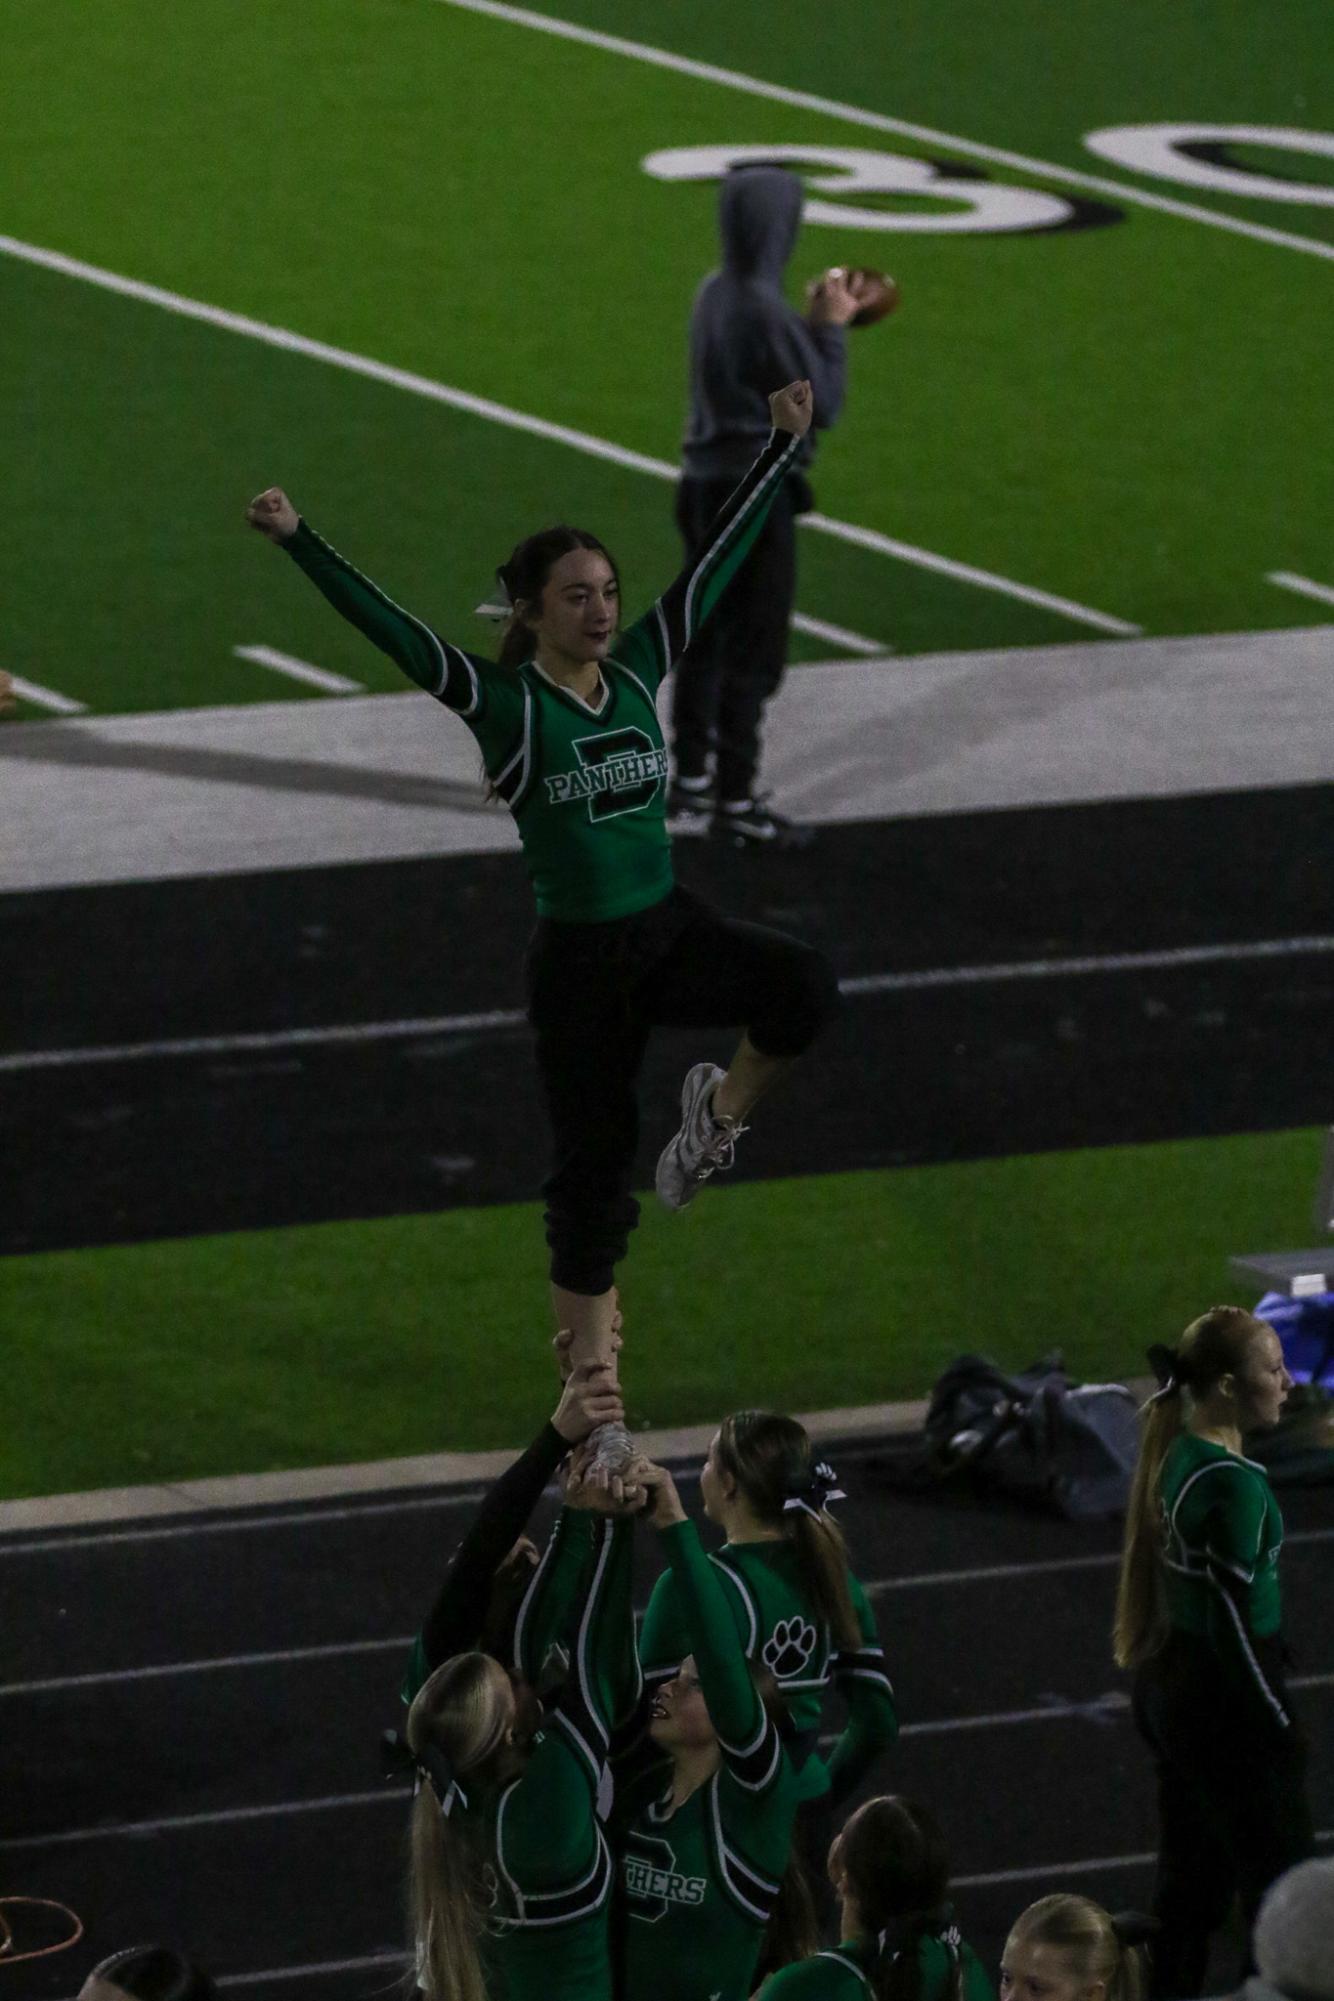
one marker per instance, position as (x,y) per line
(1288,580)
(299,670)
(878,121)
(46,698)
(336,1802)
(1061,969)
(838,635)
(929,979)
(989,1572)
(37,1543)
(221,1664)
(1055,1872)
(520,420)
(391,1956)
(875,1587)
(221,1817)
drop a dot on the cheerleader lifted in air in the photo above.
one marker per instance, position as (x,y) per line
(567,724)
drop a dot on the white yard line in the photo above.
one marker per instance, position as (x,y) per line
(522,420)
(838,635)
(965,573)
(1288,580)
(299,670)
(46,698)
(930,979)
(878,121)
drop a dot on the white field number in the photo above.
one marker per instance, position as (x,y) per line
(859,170)
(1158,150)
(837,175)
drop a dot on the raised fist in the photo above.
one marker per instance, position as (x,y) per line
(273,514)
(791,409)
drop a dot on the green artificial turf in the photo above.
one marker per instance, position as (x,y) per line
(356,1341)
(1121,415)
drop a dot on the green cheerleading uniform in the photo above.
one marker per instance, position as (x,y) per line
(586,782)
(775,1623)
(1221,1536)
(546,1865)
(697,1884)
(843,1973)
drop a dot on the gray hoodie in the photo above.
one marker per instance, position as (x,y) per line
(745,339)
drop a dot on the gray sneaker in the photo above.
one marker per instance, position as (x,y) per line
(702,1146)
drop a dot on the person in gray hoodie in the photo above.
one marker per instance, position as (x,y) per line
(742,330)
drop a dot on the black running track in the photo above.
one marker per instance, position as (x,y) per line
(101,1151)
(190,1713)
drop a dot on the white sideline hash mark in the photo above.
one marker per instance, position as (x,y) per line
(929,978)
(838,635)
(1288,580)
(46,698)
(878,121)
(299,670)
(521,420)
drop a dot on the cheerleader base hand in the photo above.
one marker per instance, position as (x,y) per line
(590,1403)
(619,1493)
(663,1500)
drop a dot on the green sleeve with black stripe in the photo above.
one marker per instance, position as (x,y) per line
(664,1640)
(860,1675)
(579,1600)
(747,1736)
(548,1611)
(488,697)
(655,642)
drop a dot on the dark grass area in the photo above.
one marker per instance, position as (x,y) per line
(254,1878)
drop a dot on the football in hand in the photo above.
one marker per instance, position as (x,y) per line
(879,296)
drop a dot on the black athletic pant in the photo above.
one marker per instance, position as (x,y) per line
(595,991)
(736,663)
(1232,1807)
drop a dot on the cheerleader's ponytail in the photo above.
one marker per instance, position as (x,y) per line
(891,1862)
(1213,1346)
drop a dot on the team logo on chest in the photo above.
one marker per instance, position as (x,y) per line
(653,1881)
(618,771)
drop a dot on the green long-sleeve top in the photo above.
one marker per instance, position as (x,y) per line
(698,1881)
(585,781)
(545,1860)
(1221,1537)
(777,1624)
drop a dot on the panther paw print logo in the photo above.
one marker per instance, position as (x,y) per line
(788,1648)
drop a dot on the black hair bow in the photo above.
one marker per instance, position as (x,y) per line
(1134,1928)
(429,1767)
(1166,1365)
(816,1491)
